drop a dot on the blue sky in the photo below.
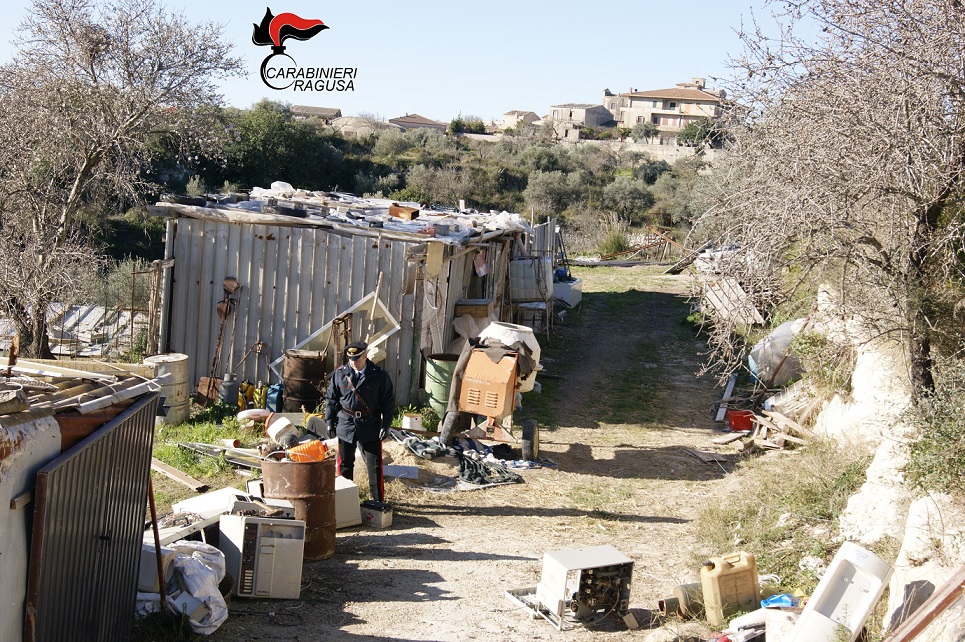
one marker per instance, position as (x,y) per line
(442,58)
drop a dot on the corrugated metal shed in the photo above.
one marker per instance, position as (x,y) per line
(297,274)
(294,280)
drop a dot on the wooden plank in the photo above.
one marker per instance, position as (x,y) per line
(934,606)
(175,474)
(21,500)
(810,408)
(726,439)
(773,414)
(706,457)
(728,391)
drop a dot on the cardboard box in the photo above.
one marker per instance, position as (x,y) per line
(488,388)
(403,212)
(376,515)
(476,308)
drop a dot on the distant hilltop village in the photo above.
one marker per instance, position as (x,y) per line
(656,115)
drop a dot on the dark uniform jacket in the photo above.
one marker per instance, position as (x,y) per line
(360,419)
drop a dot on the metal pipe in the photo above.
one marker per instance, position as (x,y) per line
(165,322)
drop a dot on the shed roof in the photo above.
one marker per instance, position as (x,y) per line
(350,214)
(676,93)
(307,111)
(415,120)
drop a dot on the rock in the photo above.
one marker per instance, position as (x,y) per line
(878,509)
(932,550)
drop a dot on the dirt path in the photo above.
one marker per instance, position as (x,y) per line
(627,407)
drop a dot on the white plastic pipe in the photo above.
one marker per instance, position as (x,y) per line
(151,385)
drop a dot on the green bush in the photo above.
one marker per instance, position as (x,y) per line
(937,460)
(615,241)
(828,364)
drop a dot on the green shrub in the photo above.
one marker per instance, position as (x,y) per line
(937,460)
(613,243)
(828,364)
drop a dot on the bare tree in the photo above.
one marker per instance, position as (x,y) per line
(847,163)
(92,95)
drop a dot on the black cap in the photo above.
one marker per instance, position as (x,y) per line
(356,349)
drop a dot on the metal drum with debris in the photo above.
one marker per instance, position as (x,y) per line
(310,487)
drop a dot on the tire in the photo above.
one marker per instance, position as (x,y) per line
(530,441)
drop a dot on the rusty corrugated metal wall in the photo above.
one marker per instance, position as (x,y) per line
(295,280)
(88,526)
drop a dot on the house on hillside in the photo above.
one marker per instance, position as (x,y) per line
(358,126)
(415,121)
(512,119)
(669,109)
(324,114)
(570,118)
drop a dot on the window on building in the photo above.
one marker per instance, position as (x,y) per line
(639,119)
(613,106)
(673,105)
(654,105)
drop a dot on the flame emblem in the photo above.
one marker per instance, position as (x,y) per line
(275,30)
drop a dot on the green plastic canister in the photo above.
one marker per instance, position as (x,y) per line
(439,371)
(729,585)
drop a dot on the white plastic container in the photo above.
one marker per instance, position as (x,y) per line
(571,292)
(510,333)
(531,279)
(844,598)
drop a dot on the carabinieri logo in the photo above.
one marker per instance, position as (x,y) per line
(280,71)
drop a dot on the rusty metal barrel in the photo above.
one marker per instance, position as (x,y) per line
(310,487)
(303,374)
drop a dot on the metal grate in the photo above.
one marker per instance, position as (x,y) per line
(87,530)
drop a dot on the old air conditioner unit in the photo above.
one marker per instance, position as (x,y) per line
(584,585)
(264,554)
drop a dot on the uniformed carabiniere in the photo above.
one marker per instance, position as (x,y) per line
(359,407)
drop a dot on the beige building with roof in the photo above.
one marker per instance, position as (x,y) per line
(568,119)
(669,109)
(513,118)
(415,121)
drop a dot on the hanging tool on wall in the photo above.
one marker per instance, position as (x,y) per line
(225,307)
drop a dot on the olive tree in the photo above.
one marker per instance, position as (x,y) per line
(93,92)
(846,163)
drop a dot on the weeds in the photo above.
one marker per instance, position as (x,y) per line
(788,511)
(937,459)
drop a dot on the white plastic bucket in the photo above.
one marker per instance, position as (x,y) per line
(411,421)
(510,333)
(176,393)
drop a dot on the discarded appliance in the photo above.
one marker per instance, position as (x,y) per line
(264,555)
(570,291)
(844,598)
(580,586)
